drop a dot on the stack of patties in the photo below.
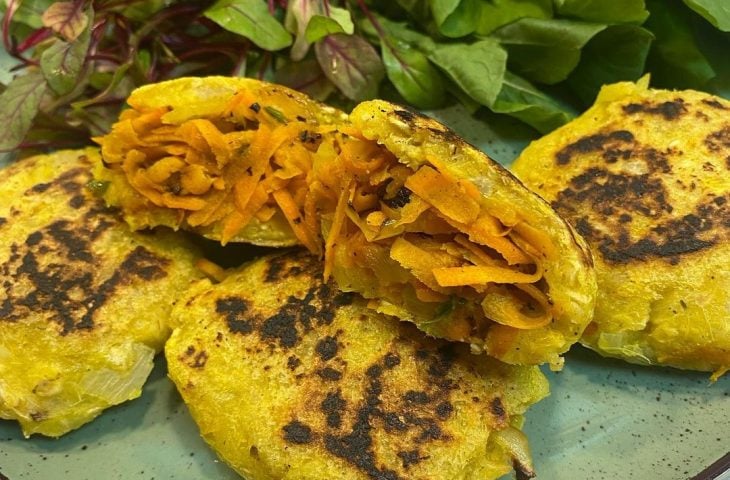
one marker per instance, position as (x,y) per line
(644,175)
(84,300)
(291,376)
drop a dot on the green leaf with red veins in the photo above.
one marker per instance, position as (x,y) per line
(352,64)
(61,63)
(19,104)
(67,19)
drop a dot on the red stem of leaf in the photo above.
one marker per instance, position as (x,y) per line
(34,39)
(7,18)
(381,32)
(376,25)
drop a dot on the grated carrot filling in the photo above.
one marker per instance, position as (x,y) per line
(507,309)
(337,223)
(481,274)
(255,161)
(446,196)
(421,262)
(291,211)
(238,219)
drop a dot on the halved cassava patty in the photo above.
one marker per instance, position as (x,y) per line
(403,210)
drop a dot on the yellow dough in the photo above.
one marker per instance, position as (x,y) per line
(84,301)
(288,378)
(644,175)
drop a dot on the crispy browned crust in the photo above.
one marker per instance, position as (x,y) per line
(337,386)
(644,177)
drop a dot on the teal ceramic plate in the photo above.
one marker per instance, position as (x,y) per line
(605,419)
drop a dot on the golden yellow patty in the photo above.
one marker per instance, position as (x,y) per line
(84,301)
(288,378)
(644,175)
(404,211)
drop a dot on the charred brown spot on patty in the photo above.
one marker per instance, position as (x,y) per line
(669,110)
(298,433)
(669,239)
(522,472)
(297,315)
(607,193)
(714,103)
(327,348)
(333,407)
(54,272)
(53,275)
(411,457)
(348,430)
(39,188)
(719,141)
(610,143)
(234,310)
(194,358)
(605,201)
(497,408)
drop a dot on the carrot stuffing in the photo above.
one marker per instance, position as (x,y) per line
(536,238)
(482,258)
(337,224)
(238,219)
(509,251)
(480,275)
(446,196)
(506,308)
(420,261)
(296,222)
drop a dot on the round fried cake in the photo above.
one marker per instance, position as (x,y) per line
(289,378)
(84,302)
(644,175)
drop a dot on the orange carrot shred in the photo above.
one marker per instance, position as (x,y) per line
(506,308)
(337,224)
(294,217)
(444,195)
(480,275)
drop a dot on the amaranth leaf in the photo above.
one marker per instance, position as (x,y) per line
(352,64)
(478,68)
(61,62)
(19,104)
(717,12)
(415,78)
(67,19)
(250,19)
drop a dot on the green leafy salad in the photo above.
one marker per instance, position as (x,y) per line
(68,66)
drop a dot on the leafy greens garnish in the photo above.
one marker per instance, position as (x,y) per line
(540,61)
